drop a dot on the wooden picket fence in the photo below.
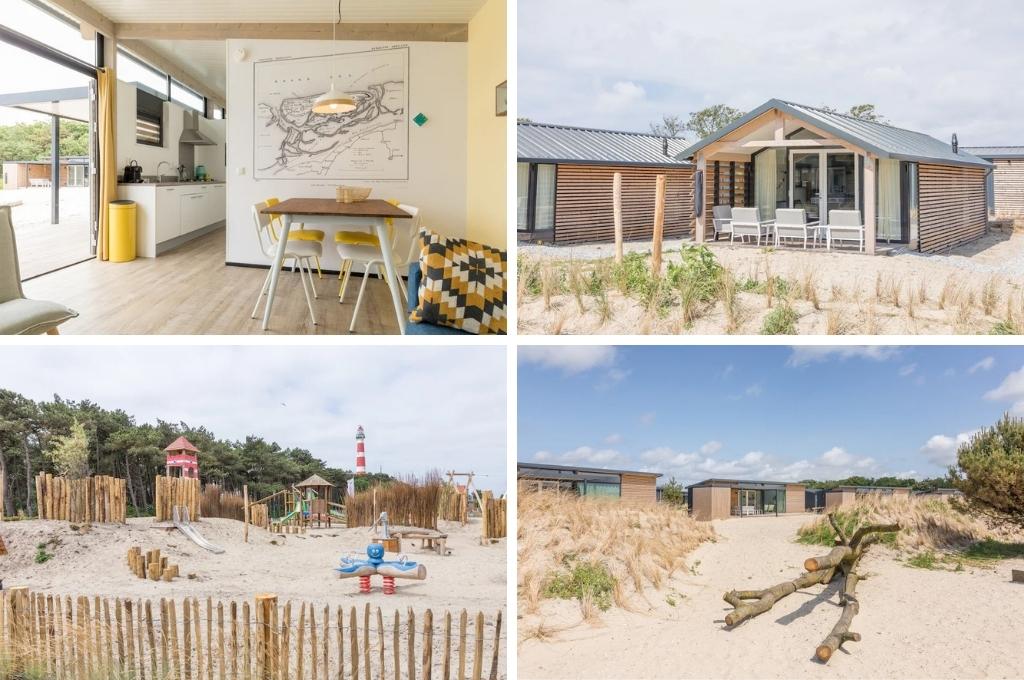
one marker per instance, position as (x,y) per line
(176,491)
(453,506)
(83,638)
(97,499)
(495,519)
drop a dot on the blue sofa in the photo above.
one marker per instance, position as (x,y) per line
(413,286)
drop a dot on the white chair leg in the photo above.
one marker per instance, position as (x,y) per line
(343,274)
(305,290)
(309,273)
(263,291)
(359,300)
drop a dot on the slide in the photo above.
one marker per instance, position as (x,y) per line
(182,523)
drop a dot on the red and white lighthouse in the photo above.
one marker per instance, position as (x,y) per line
(360,451)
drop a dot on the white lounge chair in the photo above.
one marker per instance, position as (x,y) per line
(748,222)
(792,223)
(845,225)
(722,219)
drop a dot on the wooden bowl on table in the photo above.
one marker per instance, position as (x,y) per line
(352,194)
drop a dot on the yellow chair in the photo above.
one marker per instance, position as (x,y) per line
(300,234)
(357,238)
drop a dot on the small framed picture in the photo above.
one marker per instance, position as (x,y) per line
(501,99)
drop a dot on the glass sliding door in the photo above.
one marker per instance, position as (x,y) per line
(522,196)
(890,213)
(805,183)
(842,184)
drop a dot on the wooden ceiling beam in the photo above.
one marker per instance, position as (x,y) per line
(294,31)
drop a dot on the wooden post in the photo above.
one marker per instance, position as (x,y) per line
(411,640)
(245,502)
(478,650)
(699,210)
(17,599)
(659,225)
(265,606)
(462,645)
(617,214)
(497,646)
(428,643)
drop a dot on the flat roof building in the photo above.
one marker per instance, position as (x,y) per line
(723,498)
(839,496)
(627,485)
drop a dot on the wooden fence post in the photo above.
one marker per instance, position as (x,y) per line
(617,213)
(659,225)
(245,501)
(265,638)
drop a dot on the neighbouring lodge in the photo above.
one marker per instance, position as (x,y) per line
(626,485)
(723,498)
(895,187)
(839,496)
(1005,187)
(564,186)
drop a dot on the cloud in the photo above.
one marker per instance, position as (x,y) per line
(804,354)
(614,438)
(836,456)
(711,448)
(585,455)
(907,370)
(727,371)
(1011,389)
(613,377)
(940,449)
(622,96)
(985,364)
(569,359)
(753,391)
(648,418)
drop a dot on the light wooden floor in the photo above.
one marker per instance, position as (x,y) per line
(190,291)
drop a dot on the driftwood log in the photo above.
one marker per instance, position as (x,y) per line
(820,570)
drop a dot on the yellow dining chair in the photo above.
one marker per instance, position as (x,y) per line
(300,234)
(342,239)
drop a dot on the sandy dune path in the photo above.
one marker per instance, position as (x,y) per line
(914,623)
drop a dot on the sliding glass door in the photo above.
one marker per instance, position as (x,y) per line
(823,180)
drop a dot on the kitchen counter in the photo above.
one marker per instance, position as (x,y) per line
(166,184)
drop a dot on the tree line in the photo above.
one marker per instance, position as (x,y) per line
(46,436)
(31,141)
(711,119)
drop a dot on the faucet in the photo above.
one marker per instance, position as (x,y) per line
(158,175)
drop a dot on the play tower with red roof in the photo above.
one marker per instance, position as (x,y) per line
(184,457)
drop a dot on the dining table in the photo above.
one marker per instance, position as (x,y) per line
(329,212)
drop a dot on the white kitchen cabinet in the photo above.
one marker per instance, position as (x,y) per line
(167,215)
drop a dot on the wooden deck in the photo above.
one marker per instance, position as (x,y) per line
(190,291)
(43,247)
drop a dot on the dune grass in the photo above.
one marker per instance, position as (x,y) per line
(599,552)
(934,533)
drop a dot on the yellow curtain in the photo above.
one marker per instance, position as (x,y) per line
(106,86)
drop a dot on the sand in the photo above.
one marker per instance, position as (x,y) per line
(915,623)
(847,286)
(299,567)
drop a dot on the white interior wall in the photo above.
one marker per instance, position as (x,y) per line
(149,157)
(437,151)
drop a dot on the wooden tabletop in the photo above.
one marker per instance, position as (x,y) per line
(330,207)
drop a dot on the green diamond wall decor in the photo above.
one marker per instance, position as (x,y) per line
(420,119)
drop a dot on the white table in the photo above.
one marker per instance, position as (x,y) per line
(313,211)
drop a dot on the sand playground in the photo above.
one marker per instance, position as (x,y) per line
(915,623)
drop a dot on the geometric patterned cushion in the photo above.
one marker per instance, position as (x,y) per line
(463,285)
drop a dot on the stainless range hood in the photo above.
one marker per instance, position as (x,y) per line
(190,133)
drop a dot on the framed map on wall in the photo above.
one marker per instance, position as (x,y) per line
(371,142)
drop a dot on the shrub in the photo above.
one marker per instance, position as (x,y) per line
(780,321)
(1004,328)
(990,472)
(673,493)
(698,270)
(583,579)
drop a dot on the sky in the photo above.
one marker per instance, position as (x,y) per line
(767,412)
(25,72)
(423,408)
(934,66)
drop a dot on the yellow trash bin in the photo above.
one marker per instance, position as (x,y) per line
(122,231)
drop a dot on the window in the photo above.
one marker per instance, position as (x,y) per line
(536,196)
(131,70)
(37,20)
(218,113)
(149,119)
(187,97)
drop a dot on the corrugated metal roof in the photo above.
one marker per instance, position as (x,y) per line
(885,141)
(993,152)
(541,142)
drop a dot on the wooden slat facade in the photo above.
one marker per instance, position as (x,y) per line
(1008,181)
(795,497)
(639,489)
(583,202)
(953,206)
(732,189)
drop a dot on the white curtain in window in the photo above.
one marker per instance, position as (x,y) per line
(545,207)
(888,200)
(522,193)
(764,183)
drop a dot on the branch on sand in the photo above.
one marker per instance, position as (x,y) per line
(820,570)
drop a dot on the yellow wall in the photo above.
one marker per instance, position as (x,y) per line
(486,187)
